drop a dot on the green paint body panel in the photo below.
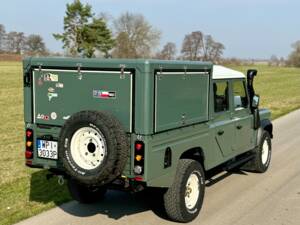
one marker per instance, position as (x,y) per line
(165,104)
(181,99)
(59,100)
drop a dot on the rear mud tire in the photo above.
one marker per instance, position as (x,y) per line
(177,207)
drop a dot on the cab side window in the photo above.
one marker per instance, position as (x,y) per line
(221,99)
(240,95)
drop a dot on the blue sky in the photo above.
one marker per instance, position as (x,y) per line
(247,28)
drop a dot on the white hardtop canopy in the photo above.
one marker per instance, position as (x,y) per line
(221,72)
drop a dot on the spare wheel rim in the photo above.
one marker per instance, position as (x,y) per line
(88,148)
(192,190)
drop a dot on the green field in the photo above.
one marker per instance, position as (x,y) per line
(25,192)
(279,88)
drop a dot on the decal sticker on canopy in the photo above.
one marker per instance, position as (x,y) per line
(51,77)
(52,95)
(53,115)
(59,85)
(104,94)
(42,117)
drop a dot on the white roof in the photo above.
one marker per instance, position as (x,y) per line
(221,72)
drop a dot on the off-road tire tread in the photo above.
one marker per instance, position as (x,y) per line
(172,201)
(116,135)
(255,165)
(258,167)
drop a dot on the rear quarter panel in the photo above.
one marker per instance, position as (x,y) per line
(179,140)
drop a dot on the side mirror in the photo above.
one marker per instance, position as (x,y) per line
(255,101)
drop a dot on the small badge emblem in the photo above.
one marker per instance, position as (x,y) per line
(53,116)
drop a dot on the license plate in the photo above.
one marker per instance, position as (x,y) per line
(47,149)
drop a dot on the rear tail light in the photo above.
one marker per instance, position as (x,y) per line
(138,146)
(28,133)
(28,154)
(139,157)
(29,144)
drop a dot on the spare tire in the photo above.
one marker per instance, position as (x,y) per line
(93,147)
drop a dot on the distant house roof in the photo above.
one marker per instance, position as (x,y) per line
(221,72)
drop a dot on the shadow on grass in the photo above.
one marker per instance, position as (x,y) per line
(115,205)
(46,191)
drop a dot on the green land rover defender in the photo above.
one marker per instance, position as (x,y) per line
(136,124)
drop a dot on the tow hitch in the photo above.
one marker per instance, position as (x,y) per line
(60,178)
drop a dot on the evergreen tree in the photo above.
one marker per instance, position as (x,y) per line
(83,33)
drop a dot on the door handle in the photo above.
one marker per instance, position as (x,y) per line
(220,132)
(239,127)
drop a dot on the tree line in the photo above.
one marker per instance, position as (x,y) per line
(18,43)
(130,36)
(292,60)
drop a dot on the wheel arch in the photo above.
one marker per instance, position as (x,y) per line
(195,153)
(267,125)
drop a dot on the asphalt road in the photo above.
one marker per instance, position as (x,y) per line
(239,198)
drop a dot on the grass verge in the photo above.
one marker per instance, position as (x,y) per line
(279,88)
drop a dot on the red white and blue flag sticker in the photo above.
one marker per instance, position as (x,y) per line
(104,94)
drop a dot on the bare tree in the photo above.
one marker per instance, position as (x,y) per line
(2,37)
(15,42)
(197,46)
(216,52)
(207,47)
(192,46)
(168,52)
(135,37)
(35,45)
(294,57)
(212,50)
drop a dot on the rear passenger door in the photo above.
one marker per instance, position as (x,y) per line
(242,116)
(222,121)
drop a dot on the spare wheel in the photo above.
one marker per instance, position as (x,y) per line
(93,147)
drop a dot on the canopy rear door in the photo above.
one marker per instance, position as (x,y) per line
(57,94)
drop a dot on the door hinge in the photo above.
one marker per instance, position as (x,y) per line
(183,119)
(122,71)
(159,74)
(79,75)
(184,74)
